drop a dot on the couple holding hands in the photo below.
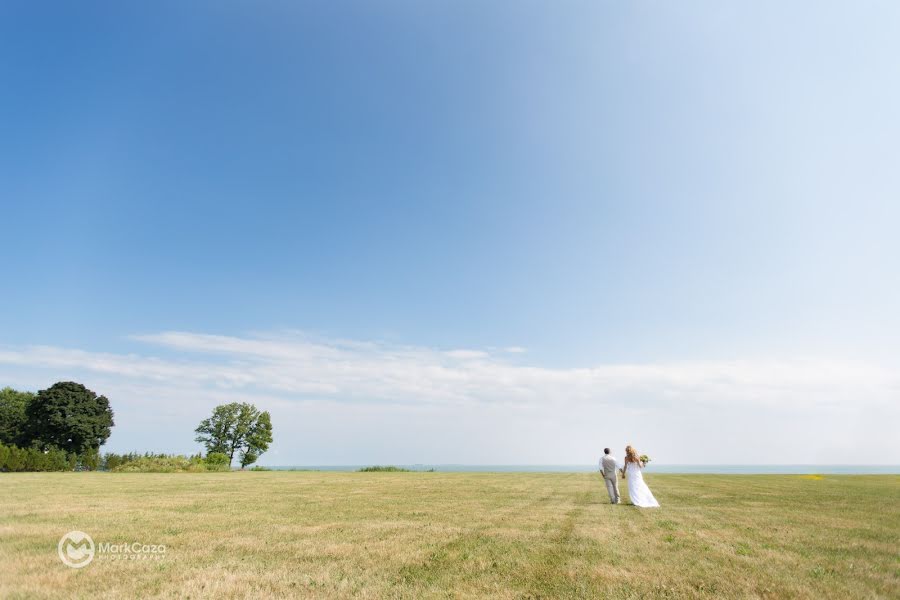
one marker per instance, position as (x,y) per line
(638,492)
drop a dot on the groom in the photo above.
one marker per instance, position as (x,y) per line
(608,469)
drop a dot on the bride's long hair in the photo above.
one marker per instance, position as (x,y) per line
(631,456)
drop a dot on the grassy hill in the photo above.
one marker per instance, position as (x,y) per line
(421,535)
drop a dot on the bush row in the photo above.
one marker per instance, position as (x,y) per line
(173,463)
(14,459)
(382,469)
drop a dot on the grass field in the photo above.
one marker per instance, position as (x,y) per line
(424,535)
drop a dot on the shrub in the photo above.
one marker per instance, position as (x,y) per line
(13,458)
(35,460)
(90,459)
(57,460)
(159,464)
(174,463)
(380,469)
(15,461)
(111,461)
(259,468)
(218,461)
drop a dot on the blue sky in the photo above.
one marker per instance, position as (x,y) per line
(460,232)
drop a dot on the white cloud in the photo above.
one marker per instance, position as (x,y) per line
(295,366)
(285,371)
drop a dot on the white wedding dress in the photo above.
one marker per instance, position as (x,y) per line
(638,491)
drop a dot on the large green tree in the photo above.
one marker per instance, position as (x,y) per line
(12,416)
(69,416)
(237,428)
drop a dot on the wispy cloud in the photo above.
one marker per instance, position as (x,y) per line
(297,366)
(340,401)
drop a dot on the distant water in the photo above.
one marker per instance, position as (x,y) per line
(651,468)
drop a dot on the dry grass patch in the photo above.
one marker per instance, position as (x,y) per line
(466,535)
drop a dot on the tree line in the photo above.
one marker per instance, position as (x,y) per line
(62,428)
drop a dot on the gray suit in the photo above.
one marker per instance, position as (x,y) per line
(608,469)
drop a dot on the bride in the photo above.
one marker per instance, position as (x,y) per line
(638,491)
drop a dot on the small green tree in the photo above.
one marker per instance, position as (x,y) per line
(90,459)
(57,460)
(4,454)
(236,428)
(35,460)
(16,459)
(69,416)
(12,416)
